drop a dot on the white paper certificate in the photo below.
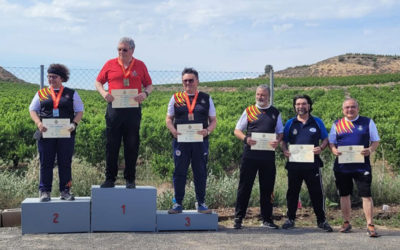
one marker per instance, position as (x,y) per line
(301,153)
(56,128)
(124,98)
(263,140)
(351,154)
(189,132)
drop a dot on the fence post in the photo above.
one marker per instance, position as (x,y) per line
(41,76)
(271,85)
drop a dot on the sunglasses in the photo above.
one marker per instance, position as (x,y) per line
(188,81)
(124,50)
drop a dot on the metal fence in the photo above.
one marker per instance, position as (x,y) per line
(84,78)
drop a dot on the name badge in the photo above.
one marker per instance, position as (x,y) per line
(56,112)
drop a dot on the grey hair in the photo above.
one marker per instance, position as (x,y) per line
(129,41)
(350,99)
(264,87)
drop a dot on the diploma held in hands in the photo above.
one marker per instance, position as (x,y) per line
(263,140)
(351,154)
(301,153)
(56,128)
(189,132)
(124,98)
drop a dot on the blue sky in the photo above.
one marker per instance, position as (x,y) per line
(212,35)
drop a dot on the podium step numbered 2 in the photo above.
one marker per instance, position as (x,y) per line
(115,209)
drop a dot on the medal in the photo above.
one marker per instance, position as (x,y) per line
(126,72)
(126,82)
(56,100)
(190,106)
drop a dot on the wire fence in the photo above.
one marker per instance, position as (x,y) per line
(84,78)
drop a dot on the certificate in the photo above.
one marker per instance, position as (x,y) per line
(301,153)
(263,140)
(124,98)
(56,128)
(189,132)
(351,154)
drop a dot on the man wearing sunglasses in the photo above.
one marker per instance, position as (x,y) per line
(126,76)
(191,117)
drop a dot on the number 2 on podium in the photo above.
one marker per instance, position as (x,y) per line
(55,217)
(123,209)
(187,219)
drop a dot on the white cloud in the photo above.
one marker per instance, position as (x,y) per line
(282,27)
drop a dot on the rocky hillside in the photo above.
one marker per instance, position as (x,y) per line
(6,76)
(345,65)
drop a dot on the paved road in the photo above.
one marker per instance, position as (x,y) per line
(225,238)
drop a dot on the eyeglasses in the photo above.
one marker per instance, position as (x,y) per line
(121,49)
(188,81)
(52,76)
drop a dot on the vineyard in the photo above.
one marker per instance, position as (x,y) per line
(380,103)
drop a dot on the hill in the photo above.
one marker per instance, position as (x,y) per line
(346,65)
(8,77)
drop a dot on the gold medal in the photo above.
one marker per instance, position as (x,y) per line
(126,82)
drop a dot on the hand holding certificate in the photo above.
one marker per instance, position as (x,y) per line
(263,141)
(301,153)
(188,132)
(351,154)
(124,98)
(56,128)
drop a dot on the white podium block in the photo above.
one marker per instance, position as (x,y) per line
(55,216)
(187,220)
(121,209)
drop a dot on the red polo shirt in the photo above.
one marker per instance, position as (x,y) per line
(112,73)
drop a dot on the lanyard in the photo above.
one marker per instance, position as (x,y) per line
(190,106)
(56,99)
(128,71)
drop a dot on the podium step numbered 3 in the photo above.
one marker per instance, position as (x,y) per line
(115,209)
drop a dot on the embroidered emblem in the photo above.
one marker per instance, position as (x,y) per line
(178,152)
(313,130)
(134,73)
(360,128)
(295,131)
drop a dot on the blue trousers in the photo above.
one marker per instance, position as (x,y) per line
(49,148)
(196,154)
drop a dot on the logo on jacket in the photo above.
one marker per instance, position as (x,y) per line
(252,113)
(178,152)
(313,130)
(134,73)
(344,126)
(360,128)
(203,101)
(295,131)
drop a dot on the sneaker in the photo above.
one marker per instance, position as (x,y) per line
(44,196)
(202,208)
(237,223)
(346,227)
(107,184)
(288,224)
(66,195)
(176,209)
(267,224)
(371,231)
(130,184)
(325,226)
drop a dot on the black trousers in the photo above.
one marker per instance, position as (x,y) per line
(266,174)
(313,180)
(122,124)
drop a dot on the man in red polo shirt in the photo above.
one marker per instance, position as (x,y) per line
(123,120)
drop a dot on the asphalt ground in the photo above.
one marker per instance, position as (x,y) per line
(224,238)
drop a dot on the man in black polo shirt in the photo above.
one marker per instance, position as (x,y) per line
(305,129)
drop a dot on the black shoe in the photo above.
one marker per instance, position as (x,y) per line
(238,224)
(107,184)
(267,224)
(325,226)
(130,184)
(288,224)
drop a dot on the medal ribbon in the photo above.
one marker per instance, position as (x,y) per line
(189,105)
(128,71)
(56,99)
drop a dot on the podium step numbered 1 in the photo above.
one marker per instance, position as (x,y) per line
(115,209)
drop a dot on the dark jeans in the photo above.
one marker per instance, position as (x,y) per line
(196,154)
(313,180)
(266,176)
(49,148)
(122,124)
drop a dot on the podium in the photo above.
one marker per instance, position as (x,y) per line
(55,216)
(186,221)
(121,209)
